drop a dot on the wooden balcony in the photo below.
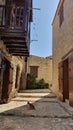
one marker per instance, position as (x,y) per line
(14,29)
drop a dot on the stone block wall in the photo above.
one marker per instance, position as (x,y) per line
(62,38)
(16,61)
(44,67)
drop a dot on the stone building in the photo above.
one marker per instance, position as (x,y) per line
(15,19)
(62,27)
(41,67)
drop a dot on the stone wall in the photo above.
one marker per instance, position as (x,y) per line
(16,61)
(62,38)
(44,67)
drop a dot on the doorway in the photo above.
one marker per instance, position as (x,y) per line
(65,80)
(17,77)
(7,80)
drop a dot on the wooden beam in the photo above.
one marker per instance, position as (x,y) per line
(9,46)
(14,41)
(16,45)
(16,49)
(10,33)
(12,37)
(20,54)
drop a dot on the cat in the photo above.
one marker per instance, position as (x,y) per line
(31,106)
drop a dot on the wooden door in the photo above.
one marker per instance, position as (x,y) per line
(71,79)
(1,74)
(60,78)
(65,80)
(23,80)
(7,80)
(17,82)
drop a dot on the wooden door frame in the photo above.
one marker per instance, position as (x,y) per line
(65,80)
(17,82)
(7,81)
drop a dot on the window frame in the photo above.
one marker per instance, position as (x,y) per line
(34,72)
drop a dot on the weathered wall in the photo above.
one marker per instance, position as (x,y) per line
(16,62)
(62,39)
(44,67)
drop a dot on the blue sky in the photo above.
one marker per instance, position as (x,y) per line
(41,28)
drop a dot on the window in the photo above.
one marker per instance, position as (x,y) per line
(34,70)
(17,16)
(2,12)
(61,16)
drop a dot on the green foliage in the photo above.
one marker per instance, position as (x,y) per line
(42,85)
(31,81)
(33,84)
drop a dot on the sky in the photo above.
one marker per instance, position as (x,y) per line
(41,27)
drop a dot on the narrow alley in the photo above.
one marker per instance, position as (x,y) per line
(48,113)
(36,65)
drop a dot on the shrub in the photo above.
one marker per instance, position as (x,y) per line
(31,81)
(41,84)
(33,84)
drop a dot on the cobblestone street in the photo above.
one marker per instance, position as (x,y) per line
(47,115)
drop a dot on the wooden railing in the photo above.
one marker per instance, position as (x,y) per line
(13,18)
(16,19)
(2,16)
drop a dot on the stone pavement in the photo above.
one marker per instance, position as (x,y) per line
(48,114)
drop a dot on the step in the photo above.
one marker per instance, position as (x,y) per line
(37,95)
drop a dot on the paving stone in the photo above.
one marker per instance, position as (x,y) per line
(42,109)
(48,114)
(67,107)
(31,123)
